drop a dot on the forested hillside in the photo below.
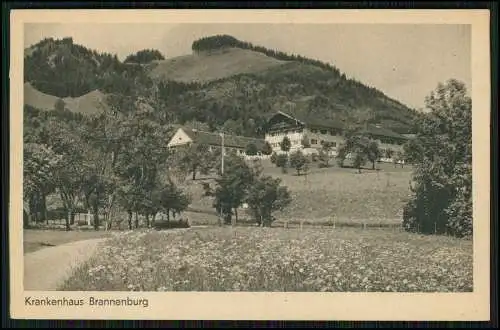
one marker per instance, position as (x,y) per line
(225,83)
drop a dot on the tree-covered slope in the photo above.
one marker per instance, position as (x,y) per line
(224,83)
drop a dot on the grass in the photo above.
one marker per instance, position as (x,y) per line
(38,239)
(328,194)
(89,103)
(271,259)
(207,67)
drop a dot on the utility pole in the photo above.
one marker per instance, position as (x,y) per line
(222,173)
(222,153)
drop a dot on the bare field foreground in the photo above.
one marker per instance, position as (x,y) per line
(276,259)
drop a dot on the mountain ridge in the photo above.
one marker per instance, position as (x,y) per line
(226,85)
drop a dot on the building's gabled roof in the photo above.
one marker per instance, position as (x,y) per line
(337,124)
(380,131)
(215,139)
(313,121)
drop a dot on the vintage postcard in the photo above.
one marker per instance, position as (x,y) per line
(239,164)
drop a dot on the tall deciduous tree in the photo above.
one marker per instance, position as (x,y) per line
(299,162)
(39,165)
(373,152)
(232,187)
(195,158)
(442,186)
(265,196)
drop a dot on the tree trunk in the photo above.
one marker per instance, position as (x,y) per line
(153,216)
(136,220)
(96,213)
(359,170)
(147,220)
(168,215)
(373,165)
(68,219)
(235,215)
(32,203)
(194,174)
(130,220)
(44,207)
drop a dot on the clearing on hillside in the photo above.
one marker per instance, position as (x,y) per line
(89,103)
(205,67)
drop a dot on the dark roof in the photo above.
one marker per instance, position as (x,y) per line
(329,123)
(313,121)
(211,138)
(380,131)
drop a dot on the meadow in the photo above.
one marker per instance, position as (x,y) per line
(374,197)
(277,259)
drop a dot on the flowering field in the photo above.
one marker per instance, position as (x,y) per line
(275,259)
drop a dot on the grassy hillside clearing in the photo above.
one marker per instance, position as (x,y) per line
(205,67)
(89,104)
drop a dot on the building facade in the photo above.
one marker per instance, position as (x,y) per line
(316,131)
(214,141)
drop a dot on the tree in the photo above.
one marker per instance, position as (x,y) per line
(442,177)
(282,162)
(412,151)
(60,105)
(172,199)
(231,187)
(251,149)
(285,144)
(298,161)
(373,153)
(39,165)
(144,56)
(267,149)
(266,196)
(342,154)
(194,158)
(324,154)
(359,157)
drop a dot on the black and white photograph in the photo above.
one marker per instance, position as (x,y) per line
(249,157)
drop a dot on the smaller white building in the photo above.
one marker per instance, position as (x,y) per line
(232,143)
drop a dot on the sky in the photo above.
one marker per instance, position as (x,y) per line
(405,61)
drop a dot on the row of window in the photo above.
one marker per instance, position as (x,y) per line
(298,131)
(332,132)
(313,142)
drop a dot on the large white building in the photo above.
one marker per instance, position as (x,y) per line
(297,128)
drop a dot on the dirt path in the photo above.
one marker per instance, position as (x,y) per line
(46,269)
